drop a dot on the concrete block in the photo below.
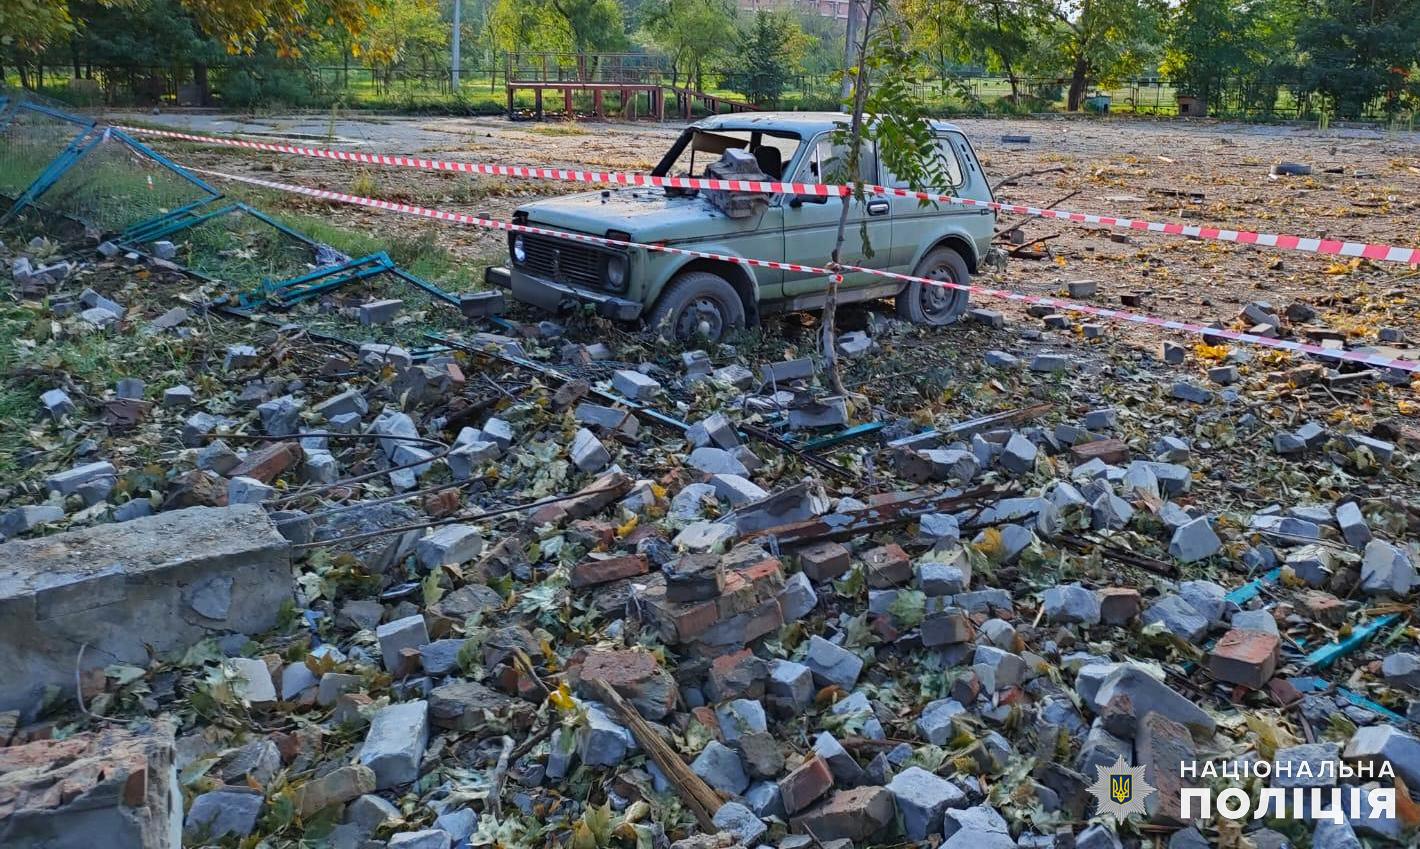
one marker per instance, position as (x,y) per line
(832,664)
(166,580)
(379,312)
(449,545)
(407,633)
(394,746)
(634,385)
(922,799)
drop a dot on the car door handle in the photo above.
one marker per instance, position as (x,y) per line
(878,207)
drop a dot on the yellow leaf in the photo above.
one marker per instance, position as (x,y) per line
(658,490)
(990,544)
(1205,351)
(561,698)
(630,526)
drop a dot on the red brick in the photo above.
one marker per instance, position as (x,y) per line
(269,462)
(888,566)
(592,534)
(1160,745)
(738,675)
(1245,658)
(444,503)
(1112,451)
(807,782)
(857,815)
(592,572)
(1323,607)
(635,674)
(824,561)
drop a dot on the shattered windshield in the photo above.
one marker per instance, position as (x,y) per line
(698,148)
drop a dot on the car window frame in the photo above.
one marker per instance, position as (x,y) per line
(945,139)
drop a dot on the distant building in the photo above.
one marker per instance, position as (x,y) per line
(837,9)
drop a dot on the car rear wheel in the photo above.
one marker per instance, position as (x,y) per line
(938,306)
(697,305)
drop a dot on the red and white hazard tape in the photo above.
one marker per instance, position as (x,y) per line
(1362,357)
(1335,247)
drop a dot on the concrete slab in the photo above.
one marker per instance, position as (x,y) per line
(165,581)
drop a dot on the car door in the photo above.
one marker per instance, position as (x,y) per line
(811,223)
(917,225)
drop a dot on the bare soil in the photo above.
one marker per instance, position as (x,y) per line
(1365,186)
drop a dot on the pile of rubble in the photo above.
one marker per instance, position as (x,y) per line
(591,593)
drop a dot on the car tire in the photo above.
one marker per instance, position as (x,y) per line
(697,304)
(936,306)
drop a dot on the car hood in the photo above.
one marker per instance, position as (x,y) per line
(648,214)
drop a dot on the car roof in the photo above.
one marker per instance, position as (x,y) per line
(804,123)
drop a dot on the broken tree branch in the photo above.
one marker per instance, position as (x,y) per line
(692,789)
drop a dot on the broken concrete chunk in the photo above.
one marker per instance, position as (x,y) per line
(394,746)
(832,664)
(1143,693)
(922,798)
(721,768)
(1072,604)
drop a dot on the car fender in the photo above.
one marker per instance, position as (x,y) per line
(742,277)
(957,238)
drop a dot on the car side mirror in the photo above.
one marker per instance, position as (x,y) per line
(796,201)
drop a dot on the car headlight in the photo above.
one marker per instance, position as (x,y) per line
(520,253)
(616,271)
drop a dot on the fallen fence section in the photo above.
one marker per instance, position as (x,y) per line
(108,180)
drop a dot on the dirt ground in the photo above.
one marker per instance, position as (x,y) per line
(1365,186)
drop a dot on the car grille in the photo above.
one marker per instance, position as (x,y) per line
(563,261)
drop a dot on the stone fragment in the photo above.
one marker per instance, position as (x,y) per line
(394,746)
(428,838)
(741,822)
(721,768)
(934,724)
(634,385)
(922,798)
(1178,617)
(1019,455)
(400,641)
(1194,541)
(229,810)
(832,664)
(1386,570)
(448,545)
(1072,604)
(855,815)
(128,590)
(1354,528)
(1143,693)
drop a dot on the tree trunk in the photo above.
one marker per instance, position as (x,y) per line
(859,83)
(201,84)
(1077,82)
(850,46)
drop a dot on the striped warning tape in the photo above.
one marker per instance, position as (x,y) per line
(1336,247)
(1362,357)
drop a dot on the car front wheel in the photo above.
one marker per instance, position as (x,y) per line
(697,305)
(938,306)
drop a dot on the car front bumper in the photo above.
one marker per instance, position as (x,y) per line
(553,296)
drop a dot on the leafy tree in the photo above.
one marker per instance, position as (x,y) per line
(771,47)
(1210,42)
(998,33)
(517,25)
(1353,52)
(27,27)
(883,111)
(1105,40)
(404,29)
(689,32)
(595,24)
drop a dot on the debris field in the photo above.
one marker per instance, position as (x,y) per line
(514,581)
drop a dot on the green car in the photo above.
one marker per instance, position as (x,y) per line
(685,298)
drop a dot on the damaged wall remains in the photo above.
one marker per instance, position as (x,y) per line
(165,581)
